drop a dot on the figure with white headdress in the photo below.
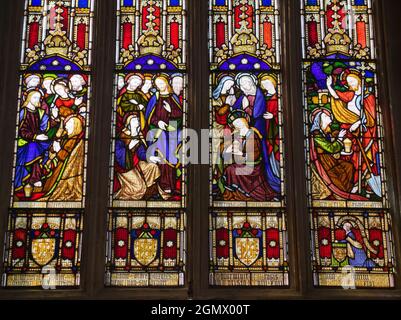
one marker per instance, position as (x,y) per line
(332,176)
(135,177)
(132,99)
(32,82)
(223,100)
(79,91)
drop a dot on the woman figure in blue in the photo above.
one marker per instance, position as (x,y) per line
(356,252)
(253,102)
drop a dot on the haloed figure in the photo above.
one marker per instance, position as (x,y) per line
(177,83)
(147,86)
(164,118)
(136,178)
(355,109)
(357,256)
(268,83)
(66,161)
(32,143)
(326,147)
(132,99)
(245,181)
(63,101)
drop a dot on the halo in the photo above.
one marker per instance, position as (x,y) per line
(130,75)
(59,81)
(243,74)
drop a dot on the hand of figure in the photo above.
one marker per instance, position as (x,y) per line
(162,125)
(268,116)
(229,149)
(141,107)
(245,103)
(154,159)
(79,100)
(42,137)
(167,106)
(55,112)
(133,101)
(355,126)
(342,134)
(329,81)
(56,146)
(231,100)
(82,110)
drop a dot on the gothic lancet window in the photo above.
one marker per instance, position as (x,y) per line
(248,234)
(45,222)
(347,184)
(146,227)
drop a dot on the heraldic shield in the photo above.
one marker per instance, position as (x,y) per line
(340,253)
(44,245)
(43,250)
(145,251)
(247,250)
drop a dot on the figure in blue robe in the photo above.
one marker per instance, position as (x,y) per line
(164,119)
(31,153)
(256,110)
(357,256)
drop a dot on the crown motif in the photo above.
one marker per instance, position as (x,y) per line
(244,40)
(337,40)
(57,41)
(150,42)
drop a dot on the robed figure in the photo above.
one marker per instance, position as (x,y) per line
(244,180)
(131,99)
(253,102)
(33,143)
(333,175)
(135,176)
(357,248)
(355,110)
(164,119)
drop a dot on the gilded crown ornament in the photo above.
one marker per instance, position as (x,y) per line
(244,40)
(57,41)
(337,40)
(151,42)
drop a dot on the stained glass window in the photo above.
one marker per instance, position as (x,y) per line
(351,226)
(43,240)
(247,235)
(147,173)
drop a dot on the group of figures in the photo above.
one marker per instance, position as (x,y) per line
(51,130)
(344,137)
(149,114)
(245,111)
